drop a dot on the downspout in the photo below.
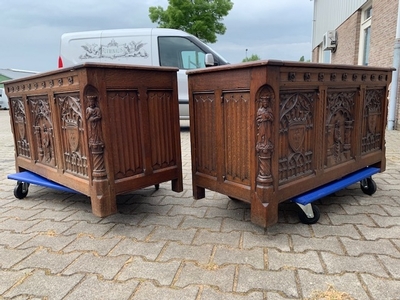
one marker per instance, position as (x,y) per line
(395,77)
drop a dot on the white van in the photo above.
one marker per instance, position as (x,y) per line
(3,99)
(142,46)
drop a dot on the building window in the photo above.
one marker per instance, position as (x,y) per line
(365,35)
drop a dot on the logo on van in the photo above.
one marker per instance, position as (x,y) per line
(114,50)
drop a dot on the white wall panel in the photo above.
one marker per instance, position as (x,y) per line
(329,14)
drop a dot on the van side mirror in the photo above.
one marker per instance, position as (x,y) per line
(209,60)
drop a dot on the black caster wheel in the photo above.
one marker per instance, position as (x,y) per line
(305,219)
(21,190)
(157,186)
(368,186)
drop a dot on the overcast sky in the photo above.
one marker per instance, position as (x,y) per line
(30,30)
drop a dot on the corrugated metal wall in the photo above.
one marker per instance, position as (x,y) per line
(329,14)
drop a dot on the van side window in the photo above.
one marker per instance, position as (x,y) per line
(180,52)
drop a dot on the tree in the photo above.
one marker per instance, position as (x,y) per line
(303,59)
(253,57)
(202,18)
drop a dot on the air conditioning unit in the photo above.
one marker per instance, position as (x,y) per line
(330,41)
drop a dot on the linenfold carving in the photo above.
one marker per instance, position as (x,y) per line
(236,113)
(339,126)
(264,146)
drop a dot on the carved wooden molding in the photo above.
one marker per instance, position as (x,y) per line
(264,147)
(95,134)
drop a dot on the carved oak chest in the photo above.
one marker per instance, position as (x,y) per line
(266,131)
(99,129)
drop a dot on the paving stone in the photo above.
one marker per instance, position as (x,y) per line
(83,214)
(48,240)
(388,221)
(392,264)
(375,233)
(101,246)
(171,221)
(221,203)
(229,225)
(200,254)
(217,277)
(22,214)
(162,272)
(52,215)
(54,262)
(364,209)
(337,264)
(363,219)
(282,281)
(147,291)
(280,228)
(50,226)
(55,206)
(212,294)
(254,257)
(279,241)
(18,226)
(9,278)
(26,203)
(39,284)
(10,257)
(236,214)
(139,233)
(149,250)
(322,231)
(83,227)
(152,209)
(126,219)
(185,236)
(177,210)
(394,211)
(217,238)
(285,260)
(328,244)
(94,288)
(106,266)
(381,288)
(13,240)
(213,224)
(276,296)
(344,283)
(181,201)
(381,246)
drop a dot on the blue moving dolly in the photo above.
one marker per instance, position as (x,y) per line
(25,178)
(309,213)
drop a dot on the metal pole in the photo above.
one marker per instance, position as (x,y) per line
(395,76)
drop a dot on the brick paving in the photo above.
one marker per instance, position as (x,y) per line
(166,245)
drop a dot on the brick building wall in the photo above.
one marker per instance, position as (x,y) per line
(383,32)
(348,41)
(383,36)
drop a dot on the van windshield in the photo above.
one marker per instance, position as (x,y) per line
(184,53)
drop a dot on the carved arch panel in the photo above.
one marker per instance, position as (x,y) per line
(339,126)
(296,134)
(43,130)
(72,134)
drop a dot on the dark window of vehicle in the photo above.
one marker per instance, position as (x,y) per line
(180,52)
